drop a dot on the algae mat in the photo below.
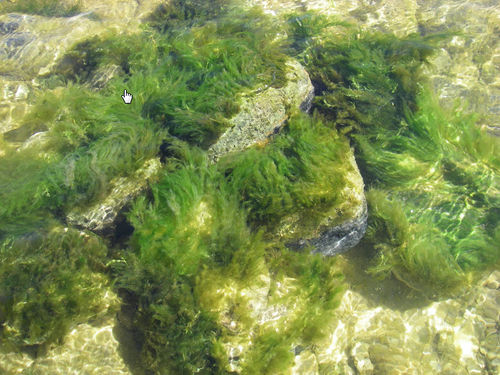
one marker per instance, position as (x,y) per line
(200,271)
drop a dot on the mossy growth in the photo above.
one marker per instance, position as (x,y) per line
(438,222)
(194,257)
(48,8)
(303,170)
(450,191)
(180,13)
(184,82)
(89,140)
(49,282)
(202,71)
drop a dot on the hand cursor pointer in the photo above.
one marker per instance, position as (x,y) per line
(127,98)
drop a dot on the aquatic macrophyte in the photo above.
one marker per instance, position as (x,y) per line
(49,282)
(302,168)
(196,266)
(371,85)
(48,8)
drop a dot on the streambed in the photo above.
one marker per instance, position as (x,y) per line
(244,303)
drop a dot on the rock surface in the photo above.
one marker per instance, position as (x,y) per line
(345,225)
(263,113)
(102,216)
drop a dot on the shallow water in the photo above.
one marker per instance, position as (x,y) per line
(381,326)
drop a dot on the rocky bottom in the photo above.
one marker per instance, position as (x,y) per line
(453,336)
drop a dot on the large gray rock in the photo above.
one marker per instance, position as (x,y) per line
(264,113)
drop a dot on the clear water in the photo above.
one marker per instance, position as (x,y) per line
(380,327)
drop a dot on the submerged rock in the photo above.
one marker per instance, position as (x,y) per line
(342,229)
(264,113)
(101,217)
(261,116)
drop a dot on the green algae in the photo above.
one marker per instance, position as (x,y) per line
(48,8)
(48,282)
(303,169)
(433,176)
(190,243)
(204,69)
(175,239)
(434,173)
(188,78)
(184,83)
(78,160)
(306,27)
(449,197)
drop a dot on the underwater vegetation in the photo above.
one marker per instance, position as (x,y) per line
(48,283)
(194,235)
(185,83)
(202,71)
(85,147)
(301,170)
(48,8)
(192,247)
(433,175)
(204,266)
